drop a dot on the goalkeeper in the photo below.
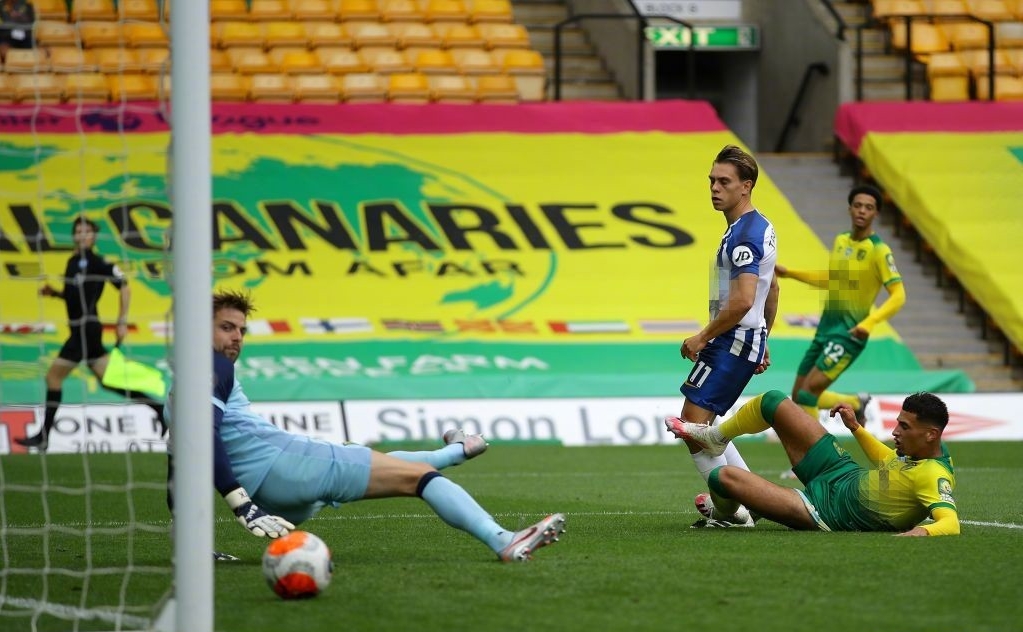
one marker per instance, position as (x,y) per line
(901,489)
(273,479)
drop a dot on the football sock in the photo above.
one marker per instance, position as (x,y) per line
(457,508)
(53,398)
(706,464)
(447,456)
(829,399)
(748,420)
(732,457)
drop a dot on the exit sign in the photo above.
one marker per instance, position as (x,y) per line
(703,37)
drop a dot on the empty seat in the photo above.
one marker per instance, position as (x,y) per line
(234,33)
(363,88)
(316,88)
(50,9)
(401,11)
(326,34)
(1014,58)
(473,61)
(946,64)
(67,59)
(319,10)
(269,10)
(435,62)
(950,88)
(146,34)
(93,10)
(117,60)
(143,10)
(490,11)
(927,38)
(357,10)
(496,89)
(370,34)
(85,87)
(1009,34)
(451,89)
(132,87)
(527,68)
(1006,88)
(946,7)
(228,10)
(886,8)
(386,60)
(978,62)
(227,86)
(249,61)
(409,87)
(50,33)
(6,89)
(505,35)
(274,88)
(961,35)
(220,61)
(37,88)
(993,10)
(341,61)
(285,34)
(415,34)
(154,60)
(26,60)
(446,11)
(95,34)
(293,61)
(456,35)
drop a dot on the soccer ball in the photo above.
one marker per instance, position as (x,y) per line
(297,566)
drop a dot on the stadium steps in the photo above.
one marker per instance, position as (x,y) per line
(583,73)
(930,324)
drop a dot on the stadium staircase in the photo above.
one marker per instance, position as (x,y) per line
(940,333)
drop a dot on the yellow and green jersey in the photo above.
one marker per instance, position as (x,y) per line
(857,270)
(902,492)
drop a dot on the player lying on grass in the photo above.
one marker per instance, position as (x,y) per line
(273,479)
(900,489)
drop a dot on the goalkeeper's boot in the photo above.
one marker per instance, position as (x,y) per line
(707,437)
(472,444)
(524,543)
(223,557)
(39,441)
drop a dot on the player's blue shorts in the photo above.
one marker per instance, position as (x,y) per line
(722,371)
(300,483)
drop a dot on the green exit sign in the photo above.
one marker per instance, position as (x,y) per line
(705,37)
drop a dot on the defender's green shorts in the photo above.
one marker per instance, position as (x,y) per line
(832,352)
(831,479)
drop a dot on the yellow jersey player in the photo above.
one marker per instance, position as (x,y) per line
(901,489)
(859,266)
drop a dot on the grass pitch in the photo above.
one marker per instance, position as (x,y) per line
(628,560)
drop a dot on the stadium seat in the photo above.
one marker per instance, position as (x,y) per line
(365,34)
(409,87)
(154,60)
(314,10)
(963,35)
(67,59)
(1016,6)
(950,88)
(386,61)
(363,88)
(496,89)
(232,10)
(227,86)
(234,33)
(146,34)
(992,10)
(446,11)
(95,34)
(435,62)
(882,9)
(273,88)
(26,60)
(93,10)
(946,7)
(1014,57)
(220,61)
(401,11)
(454,35)
(316,88)
(527,68)
(341,61)
(415,34)
(294,61)
(451,89)
(114,60)
(1009,34)
(978,62)
(505,35)
(50,33)
(50,10)
(285,34)
(6,89)
(326,34)
(268,10)
(946,64)
(1006,88)
(927,38)
(490,11)
(357,11)
(37,88)
(85,87)
(248,61)
(474,61)
(142,10)
(132,87)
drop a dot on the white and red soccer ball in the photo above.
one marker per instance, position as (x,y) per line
(297,566)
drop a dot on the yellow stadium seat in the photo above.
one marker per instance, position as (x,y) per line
(26,60)
(67,59)
(326,34)
(451,89)
(268,10)
(370,34)
(401,11)
(248,61)
(93,10)
(527,68)
(415,34)
(496,89)
(275,88)
(85,87)
(357,10)
(146,34)
(363,88)
(1016,6)
(962,35)
(50,33)
(6,89)
(946,7)
(927,38)
(341,61)
(154,60)
(1009,34)
(978,62)
(409,87)
(455,35)
(1006,88)
(132,87)
(314,10)
(505,35)
(115,60)
(316,88)
(950,88)
(142,10)
(233,33)
(1014,58)
(386,61)
(490,11)
(435,62)
(229,10)
(992,10)
(885,8)
(37,88)
(227,86)
(445,11)
(296,62)
(219,61)
(50,9)
(946,64)
(95,34)
(474,61)
(285,34)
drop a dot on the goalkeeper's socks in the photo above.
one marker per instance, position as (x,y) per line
(53,399)
(441,458)
(460,510)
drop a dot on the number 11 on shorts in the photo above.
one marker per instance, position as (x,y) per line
(699,374)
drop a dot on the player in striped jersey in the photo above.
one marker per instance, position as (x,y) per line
(900,490)
(732,348)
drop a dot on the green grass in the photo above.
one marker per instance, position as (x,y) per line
(628,560)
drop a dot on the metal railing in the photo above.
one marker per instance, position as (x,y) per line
(842,26)
(792,120)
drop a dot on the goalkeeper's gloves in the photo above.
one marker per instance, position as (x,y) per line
(257,521)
